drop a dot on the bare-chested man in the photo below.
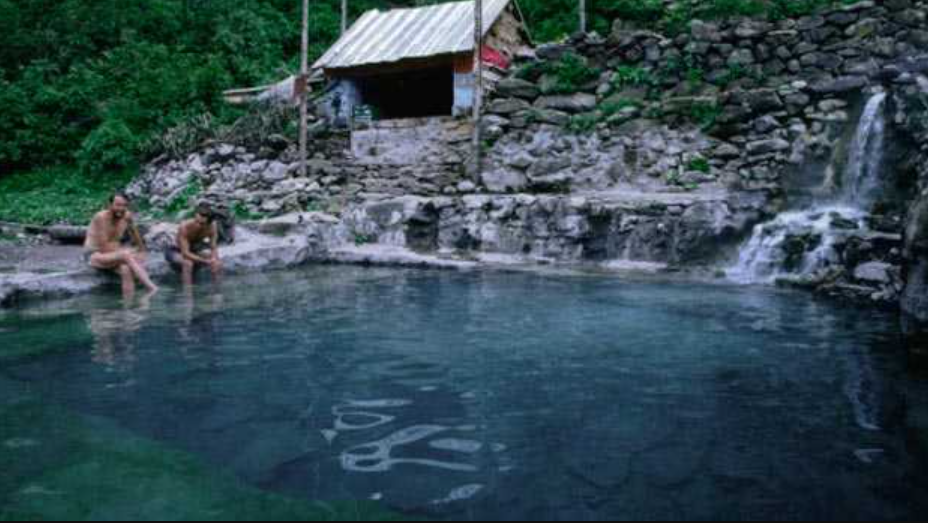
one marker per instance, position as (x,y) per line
(197,245)
(103,248)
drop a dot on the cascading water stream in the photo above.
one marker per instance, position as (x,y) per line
(801,243)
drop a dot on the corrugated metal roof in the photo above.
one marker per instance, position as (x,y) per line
(400,34)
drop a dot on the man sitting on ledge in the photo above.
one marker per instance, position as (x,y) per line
(103,248)
(197,245)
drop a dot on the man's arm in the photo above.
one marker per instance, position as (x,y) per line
(185,247)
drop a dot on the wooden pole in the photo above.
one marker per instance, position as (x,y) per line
(344,16)
(583,16)
(303,87)
(478,83)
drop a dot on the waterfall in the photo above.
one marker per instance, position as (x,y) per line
(802,243)
(862,175)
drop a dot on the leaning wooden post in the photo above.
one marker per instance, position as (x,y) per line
(478,83)
(303,87)
(583,16)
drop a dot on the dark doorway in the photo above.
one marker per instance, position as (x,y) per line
(413,94)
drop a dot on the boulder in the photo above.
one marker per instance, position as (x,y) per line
(878,273)
(842,85)
(275,172)
(67,234)
(550,116)
(573,104)
(507,106)
(762,147)
(504,180)
(516,88)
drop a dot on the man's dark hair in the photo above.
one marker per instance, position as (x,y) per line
(120,195)
(206,211)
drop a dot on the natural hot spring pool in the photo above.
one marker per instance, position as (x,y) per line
(455,395)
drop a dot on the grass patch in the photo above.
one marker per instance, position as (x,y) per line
(57,195)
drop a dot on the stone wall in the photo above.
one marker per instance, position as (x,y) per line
(421,157)
(770,96)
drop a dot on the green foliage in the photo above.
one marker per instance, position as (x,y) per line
(780,9)
(57,195)
(632,76)
(685,67)
(610,109)
(738,72)
(583,123)
(699,164)
(111,146)
(568,75)
(99,82)
(244,214)
(705,114)
(607,112)
(185,201)
(363,239)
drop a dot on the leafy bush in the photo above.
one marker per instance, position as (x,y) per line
(110,147)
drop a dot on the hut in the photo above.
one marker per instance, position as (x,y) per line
(418,62)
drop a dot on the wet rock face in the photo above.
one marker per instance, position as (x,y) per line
(554,228)
(915,296)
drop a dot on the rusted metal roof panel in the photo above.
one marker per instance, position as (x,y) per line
(400,34)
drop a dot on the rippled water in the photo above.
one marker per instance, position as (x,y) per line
(500,395)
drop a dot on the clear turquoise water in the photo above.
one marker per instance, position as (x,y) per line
(491,395)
